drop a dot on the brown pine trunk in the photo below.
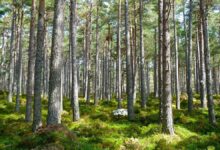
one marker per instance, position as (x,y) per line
(167,123)
(54,99)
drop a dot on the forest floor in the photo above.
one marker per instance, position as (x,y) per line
(99,129)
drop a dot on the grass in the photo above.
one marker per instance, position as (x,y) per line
(99,129)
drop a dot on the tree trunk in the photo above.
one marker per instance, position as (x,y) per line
(97,88)
(128,66)
(75,105)
(30,74)
(177,88)
(54,115)
(160,47)
(204,15)
(189,60)
(142,62)
(37,122)
(12,47)
(167,125)
(156,70)
(19,62)
(119,56)
(197,78)
(202,67)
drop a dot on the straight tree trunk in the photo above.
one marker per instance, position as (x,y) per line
(156,55)
(177,88)
(204,15)
(19,63)
(167,124)
(37,121)
(142,62)
(54,114)
(30,74)
(75,105)
(197,78)
(119,56)
(128,66)
(189,60)
(87,48)
(97,88)
(134,54)
(186,44)
(202,67)
(160,47)
(12,47)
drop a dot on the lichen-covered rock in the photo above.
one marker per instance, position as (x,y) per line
(120,112)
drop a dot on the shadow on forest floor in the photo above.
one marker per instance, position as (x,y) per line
(99,129)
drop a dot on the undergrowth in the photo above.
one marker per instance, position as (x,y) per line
(99,129)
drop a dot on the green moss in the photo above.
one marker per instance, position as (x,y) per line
(99,129)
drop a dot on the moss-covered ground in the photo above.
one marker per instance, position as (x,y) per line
(99,129)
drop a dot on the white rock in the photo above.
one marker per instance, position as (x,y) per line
(120,112)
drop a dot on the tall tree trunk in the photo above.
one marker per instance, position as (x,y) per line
(119,56)
(87,48)
(54,115)
(167,124)
(128,66)
(177,88)
(30,75)
(215,77)
(156,70)
(19,62)
(97,88)
(142,62)
(197,78)
(12,47)
(189,60)
(134,54)
(204,15)
(202,66)
(75,104)
(186,43)
(37,121)
(160,47)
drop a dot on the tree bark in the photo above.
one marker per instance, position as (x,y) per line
(160,47)
(119,56)
(54,115)
(189,60)
(30,74)
(19,62)
(204,15)
(202,66)
(37,121)
(167,125)
(73,21)
(142,62)
(128,66)
(177,88)
(97,88)
(12,47)
(156,70)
